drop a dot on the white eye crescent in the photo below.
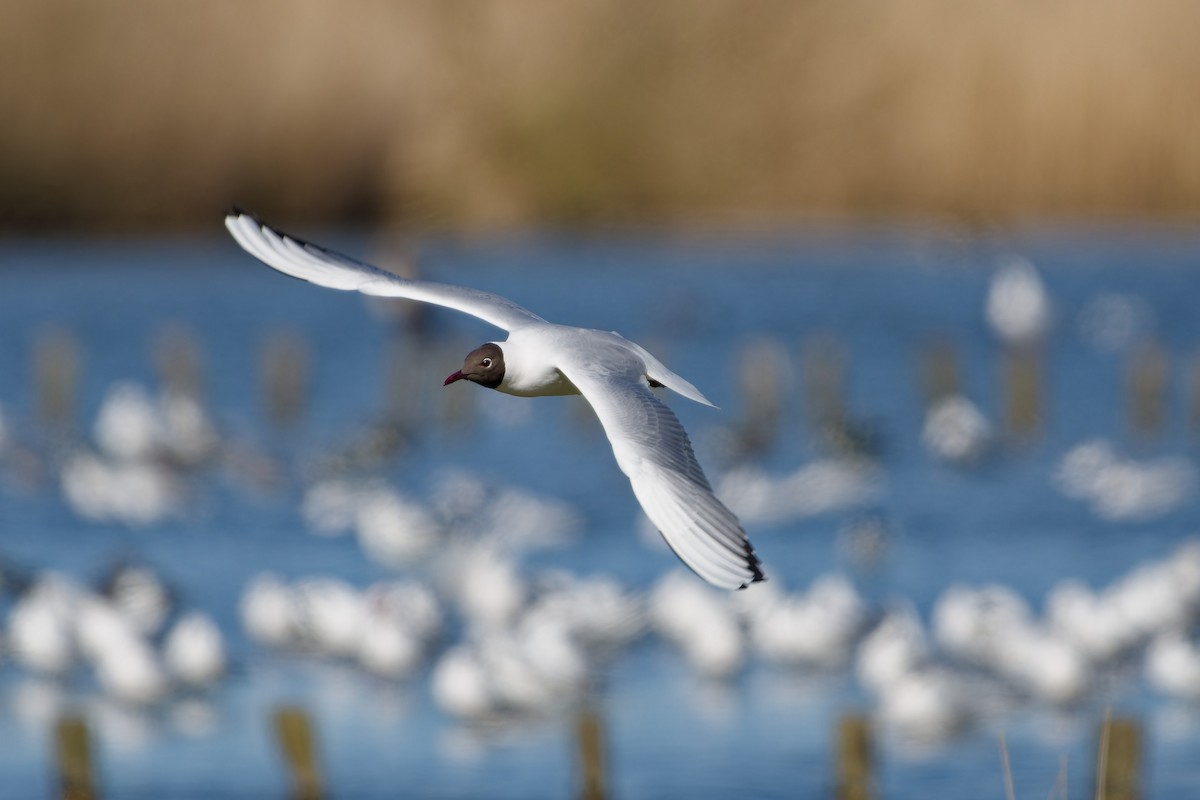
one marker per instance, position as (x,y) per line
(487,362)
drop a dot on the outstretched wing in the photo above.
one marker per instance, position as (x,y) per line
(315,264)
(653,450)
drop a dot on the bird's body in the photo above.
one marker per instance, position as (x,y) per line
(530,355)
(529,369)
(541,359)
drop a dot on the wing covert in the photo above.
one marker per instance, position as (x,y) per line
(306,261)
(653,450)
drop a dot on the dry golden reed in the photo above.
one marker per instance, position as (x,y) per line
(476,114)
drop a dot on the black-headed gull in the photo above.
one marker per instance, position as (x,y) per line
(540,359)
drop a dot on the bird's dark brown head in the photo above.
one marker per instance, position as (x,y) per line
(484,365)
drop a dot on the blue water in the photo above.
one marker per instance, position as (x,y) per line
(884,293)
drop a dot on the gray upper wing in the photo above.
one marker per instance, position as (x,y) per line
(315,264)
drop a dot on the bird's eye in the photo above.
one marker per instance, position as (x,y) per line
(487,362)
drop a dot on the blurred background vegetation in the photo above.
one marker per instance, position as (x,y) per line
(469,114)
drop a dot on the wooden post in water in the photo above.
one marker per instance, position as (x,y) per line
(590,733)
(283,370)
(854,752)
(823,372)
(1193,388)
(404,374)
(1022,386)
(1120,754)
(73,758)
(296,742)
(760,367)
(1146,378)
(177,360)
(939,371)
(56,378)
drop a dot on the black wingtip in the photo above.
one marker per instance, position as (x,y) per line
(755,565)
(238,211)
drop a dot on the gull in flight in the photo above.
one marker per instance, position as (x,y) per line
(539,359)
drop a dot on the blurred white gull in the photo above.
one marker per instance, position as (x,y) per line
(40,632)
(101,628)
(970,623)
(330,507)
(956,431)
(1048,668)
(140,595)
(395,531)
(331,616)
(993,628)
(268,611)
(1088,620)
(895,648)
(458,496)
(816,628)
(188,436)
(513,517)
(927,705)
(58,619)
(194,650)
(528,669)
(1184,566)
(554,653)
(1110,321)
(388,648)
(1018,308)
(597,612)
(136,493)
(131,426)
(1160,595)
(533,666)
(126,666)
(132,673)
(388,628)
(1153,598)
(461,685)
(402,619)
(1147,600)
(484,583)
(814,489)
(127,425)
(413,603)
(701,622)
(1122,489)
(37,702)
(142,443)
(1172,666)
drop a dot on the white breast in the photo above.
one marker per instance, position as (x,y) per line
(529,364)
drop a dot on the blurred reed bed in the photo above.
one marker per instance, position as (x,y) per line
(470,114)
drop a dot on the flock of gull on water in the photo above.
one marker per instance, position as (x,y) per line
(497,641)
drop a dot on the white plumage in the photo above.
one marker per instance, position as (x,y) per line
(194,651)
